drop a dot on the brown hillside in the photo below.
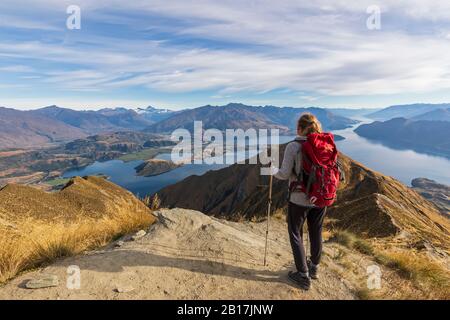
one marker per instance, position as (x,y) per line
(369,203)
(89,197)
(37,227)
(24,129)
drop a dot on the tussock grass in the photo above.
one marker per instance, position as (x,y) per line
(364,294)
(351,241)
(36,242)
(429,277)
(425,273)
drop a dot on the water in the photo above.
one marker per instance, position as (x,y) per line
(404,165)
(124,174)
(401,164)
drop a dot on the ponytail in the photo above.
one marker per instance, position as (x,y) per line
(308,123)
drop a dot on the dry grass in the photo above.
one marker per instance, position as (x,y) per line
(40,242)
(431,279)
(351,241)
(427,275)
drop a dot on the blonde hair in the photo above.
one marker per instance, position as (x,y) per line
(308,123)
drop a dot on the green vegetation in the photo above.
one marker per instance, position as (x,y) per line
(145,154)
(351,241)
(57,181)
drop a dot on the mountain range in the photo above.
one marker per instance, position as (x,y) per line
(422,136)
(407,111)
(27,129)
(93,122)
(237,115)
(437,115)
(52,125)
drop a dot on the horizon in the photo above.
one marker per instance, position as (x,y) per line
(208,105)
(183,55)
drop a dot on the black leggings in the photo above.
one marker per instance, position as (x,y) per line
(296,218)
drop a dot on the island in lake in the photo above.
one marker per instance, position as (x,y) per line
(154,167)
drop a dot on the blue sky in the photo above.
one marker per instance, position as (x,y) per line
(178,54)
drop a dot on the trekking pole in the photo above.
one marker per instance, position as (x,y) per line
(268,217)
(307,241)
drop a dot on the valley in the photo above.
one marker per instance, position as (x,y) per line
(46,166)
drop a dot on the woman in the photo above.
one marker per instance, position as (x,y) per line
(300,208)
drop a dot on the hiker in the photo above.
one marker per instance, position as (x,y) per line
(310,164)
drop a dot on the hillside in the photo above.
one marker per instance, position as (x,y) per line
(236,115)
(188,255)
(93,122)
(369,203)
(436,115)
(22,129)
(36,226)
(42,127)
(347,112)
(435,192)
(422,136)
(122,141)
(406,111)
(231,116)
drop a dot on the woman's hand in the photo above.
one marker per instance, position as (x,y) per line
(273,170)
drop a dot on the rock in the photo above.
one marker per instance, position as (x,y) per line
(43,281)
(123,289)
(138,235)
(119,243)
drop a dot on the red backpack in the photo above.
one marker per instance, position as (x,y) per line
(319,174)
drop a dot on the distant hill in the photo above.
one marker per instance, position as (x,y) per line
(38,128)
(406,111)
(93,122)
(153,114)
(347,112)
(236,115)
(422,136)
(122,141)
(438,115)
(19,129)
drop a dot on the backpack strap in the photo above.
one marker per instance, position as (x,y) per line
(299,174)
(311,178)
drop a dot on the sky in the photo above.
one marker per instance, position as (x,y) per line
(183,54)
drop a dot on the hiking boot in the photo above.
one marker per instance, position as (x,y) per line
(300,280)
(312,269)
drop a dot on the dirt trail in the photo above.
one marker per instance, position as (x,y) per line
(188,255)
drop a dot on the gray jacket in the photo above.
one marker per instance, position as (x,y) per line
(292,162)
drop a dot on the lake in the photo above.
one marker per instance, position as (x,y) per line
(404,165)
(401,164)
(124,174)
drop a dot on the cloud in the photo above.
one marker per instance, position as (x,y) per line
(321,47)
